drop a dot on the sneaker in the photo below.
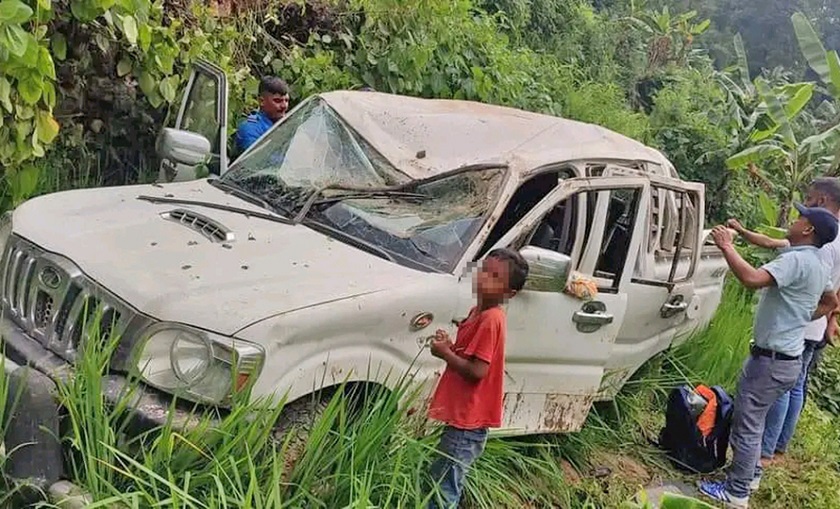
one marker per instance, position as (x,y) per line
(755,484)
(717,491)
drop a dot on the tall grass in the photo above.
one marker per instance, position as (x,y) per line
(716,354)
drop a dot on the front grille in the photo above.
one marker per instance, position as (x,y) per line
(202,224)
(54,303)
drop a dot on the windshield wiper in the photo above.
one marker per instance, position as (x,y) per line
(244,194)
(372,194)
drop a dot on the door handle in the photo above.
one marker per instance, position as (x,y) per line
(585,318)
(591,317)
(673,307)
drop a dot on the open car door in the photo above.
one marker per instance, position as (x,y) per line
(203,111)
(558,345)
(666,303)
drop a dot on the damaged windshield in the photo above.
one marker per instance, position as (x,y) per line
(426,224)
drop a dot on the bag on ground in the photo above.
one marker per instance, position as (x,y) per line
(697,425)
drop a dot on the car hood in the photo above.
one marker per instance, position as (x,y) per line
(171,272)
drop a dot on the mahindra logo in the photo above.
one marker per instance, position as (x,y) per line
(50,277)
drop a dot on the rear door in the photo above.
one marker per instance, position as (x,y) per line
(664,303)
(558,345)
(203,111)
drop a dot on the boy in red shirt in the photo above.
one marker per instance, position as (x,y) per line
(469,395)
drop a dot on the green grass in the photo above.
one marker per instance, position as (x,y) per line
(378,455)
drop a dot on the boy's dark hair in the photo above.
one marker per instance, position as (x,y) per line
(829,186)
(517,266)
(273,85)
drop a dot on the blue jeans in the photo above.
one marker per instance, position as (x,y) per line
(458,449)
(763,380)
(784,414)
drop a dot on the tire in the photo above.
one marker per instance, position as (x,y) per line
(294,425)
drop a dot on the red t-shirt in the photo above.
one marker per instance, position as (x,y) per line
(466,404)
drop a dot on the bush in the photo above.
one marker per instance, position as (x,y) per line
(688,123)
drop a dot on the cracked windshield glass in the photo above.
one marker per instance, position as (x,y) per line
(425,224)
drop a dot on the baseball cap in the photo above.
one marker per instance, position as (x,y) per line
(823,221)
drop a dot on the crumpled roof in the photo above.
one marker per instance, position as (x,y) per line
(424,137)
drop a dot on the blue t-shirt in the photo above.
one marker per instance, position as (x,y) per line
(784,310)
(251,129)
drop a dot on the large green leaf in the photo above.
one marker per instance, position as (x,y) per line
(828,140)
(742,64)
(834,73)
(701,27)
(754,155)
(46,126)
(776,111)
(129,26)
(14,38)
(29,90)
(797,96)
(811,46)
(5,94)
(768,208)
(59,45)
(14,12)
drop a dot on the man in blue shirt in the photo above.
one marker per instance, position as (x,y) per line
(795,289)
(274,103)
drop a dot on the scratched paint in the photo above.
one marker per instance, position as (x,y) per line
(565,413)
(545,413)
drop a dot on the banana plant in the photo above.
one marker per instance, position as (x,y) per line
(671,35)
(825,63)
(775,153)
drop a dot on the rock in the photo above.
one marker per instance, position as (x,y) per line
(67,495)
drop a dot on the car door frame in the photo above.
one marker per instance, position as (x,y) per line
(540,410)
(679,308)
(217,74)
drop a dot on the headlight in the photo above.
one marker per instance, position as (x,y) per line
(195,365)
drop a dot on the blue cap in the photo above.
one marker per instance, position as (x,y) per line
(823,221)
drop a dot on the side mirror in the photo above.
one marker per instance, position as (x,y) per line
(182,147)
(548,271)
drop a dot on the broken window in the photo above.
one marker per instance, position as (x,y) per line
(558,230)
(615,244)
(201,111)
(673,233)
(529,194)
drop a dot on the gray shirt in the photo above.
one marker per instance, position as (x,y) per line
(784,310)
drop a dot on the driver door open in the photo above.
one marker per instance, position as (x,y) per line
(203,111)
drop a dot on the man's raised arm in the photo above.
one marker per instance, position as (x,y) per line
(755,238)
(748,275)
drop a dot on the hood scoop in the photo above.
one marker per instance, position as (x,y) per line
(209,228)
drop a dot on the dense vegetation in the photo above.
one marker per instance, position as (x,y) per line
(742,95)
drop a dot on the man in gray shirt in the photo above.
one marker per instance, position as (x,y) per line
(795,290)
(784,414)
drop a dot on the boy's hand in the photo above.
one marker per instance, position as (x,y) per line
(440,348)
(735,225)
(441,335)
